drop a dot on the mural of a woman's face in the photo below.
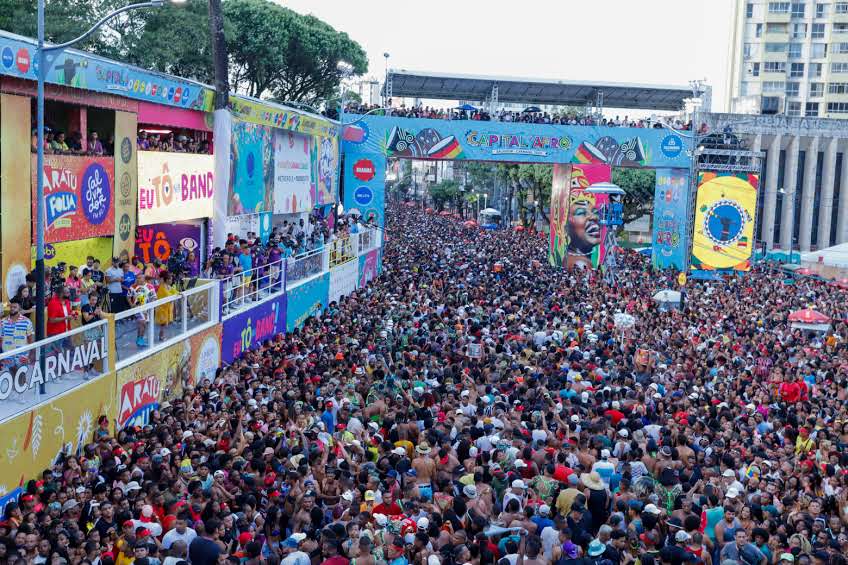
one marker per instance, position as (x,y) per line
(584,231)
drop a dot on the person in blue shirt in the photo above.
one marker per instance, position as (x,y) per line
(328,418)
(543,518)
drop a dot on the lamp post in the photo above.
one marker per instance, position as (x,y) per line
(39,195)
(386,80)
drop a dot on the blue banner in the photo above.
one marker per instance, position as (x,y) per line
(365,184)
(252,178)
(418,138)
(670,240)
(307,300)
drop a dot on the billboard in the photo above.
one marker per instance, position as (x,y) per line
(143,386)
(75,252)
(560,190)
(671,226)
(294,190)
(370,266)
(78,198)
(723,234)
(364,184)
(158,241)
(586,243)
(344,280)
(307,299)
(251,169)
(174,186)
(14,173)
(249,328)
(328,169)
(126,183)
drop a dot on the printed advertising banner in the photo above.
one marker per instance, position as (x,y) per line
(670,231)
(32,441)
(307,300)
(158,241)
(724,221)
(505,141)
(328,170)
(364,185)
(79,202)
(294,190)
(586,238)
(174,186)
(259,224)
(247,330)
(75,252)
(560,190)
(344,280)
(370,266)
(279,117)
(162,377)
(252,169)
(126,181)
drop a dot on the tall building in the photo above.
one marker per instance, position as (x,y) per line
(789,58)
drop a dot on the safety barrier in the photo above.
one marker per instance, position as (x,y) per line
(304,266)
(153,326)
(36,373)
(250,286)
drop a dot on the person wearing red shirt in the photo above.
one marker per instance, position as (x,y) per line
(790,391)
(59,312)
(614,414)
(388,507)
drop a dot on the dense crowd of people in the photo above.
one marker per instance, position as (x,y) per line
(173,142)
(536,116)
(454,413)
(56,142)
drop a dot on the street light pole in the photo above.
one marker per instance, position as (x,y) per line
(41,61)
(386,80)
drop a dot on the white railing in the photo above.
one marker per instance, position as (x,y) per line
(40,371)
(157,324)
(253,285)
(306,265)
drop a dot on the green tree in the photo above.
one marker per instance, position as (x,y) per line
(639,186)
(444,193)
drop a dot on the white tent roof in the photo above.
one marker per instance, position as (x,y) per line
(836,256)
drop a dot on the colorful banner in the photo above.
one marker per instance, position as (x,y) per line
(15,175)
(370,266)
(516,141)
(126,179)
(248,329)
(586,237)
(32,441)
(77,69)
(560,190)
(364,185)
(328,170)
(162,377)
(174,186)
(158,241)
(252,169)
(724,221)
(271,115)
(307,300)
(671,226)
(294,190)
(344,279)
(78,197)
(75,252)
(260,224)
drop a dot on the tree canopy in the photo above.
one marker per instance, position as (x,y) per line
(274,52)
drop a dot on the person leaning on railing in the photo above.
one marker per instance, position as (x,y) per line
(164,315)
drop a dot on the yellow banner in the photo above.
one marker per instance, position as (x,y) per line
(126,183)
(282,118)
(15,177)
(30,442)
(724,221)
(75,252)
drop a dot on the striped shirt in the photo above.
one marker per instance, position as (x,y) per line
(16,332)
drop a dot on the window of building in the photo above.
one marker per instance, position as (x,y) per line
(749,10)
(774,86)
(821,10)
(798,9)
(816,89)
(812,109)
(839,67)
(839,29)
(793,109)
(815,70)
(795,50)
(841,8)
(837,88)
(793,89)
(758,30)
(777,8)
(837,107)
(777,28)
(817,32)
(747,49)
(796,70)
(840,48)
(755,69)
(774,67)
(799,31)
(776,47)
(818,50)
(770,105)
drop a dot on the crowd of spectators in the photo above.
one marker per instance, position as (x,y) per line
(173,142)
(451,413)
(535,117)
(56,142)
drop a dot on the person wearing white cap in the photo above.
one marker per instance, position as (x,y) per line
(604,468)
(517,491)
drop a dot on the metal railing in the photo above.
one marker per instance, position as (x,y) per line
(305,265)
(38,372)
(159,323)
(253,285)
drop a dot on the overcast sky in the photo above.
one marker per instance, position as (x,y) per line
(650,41)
